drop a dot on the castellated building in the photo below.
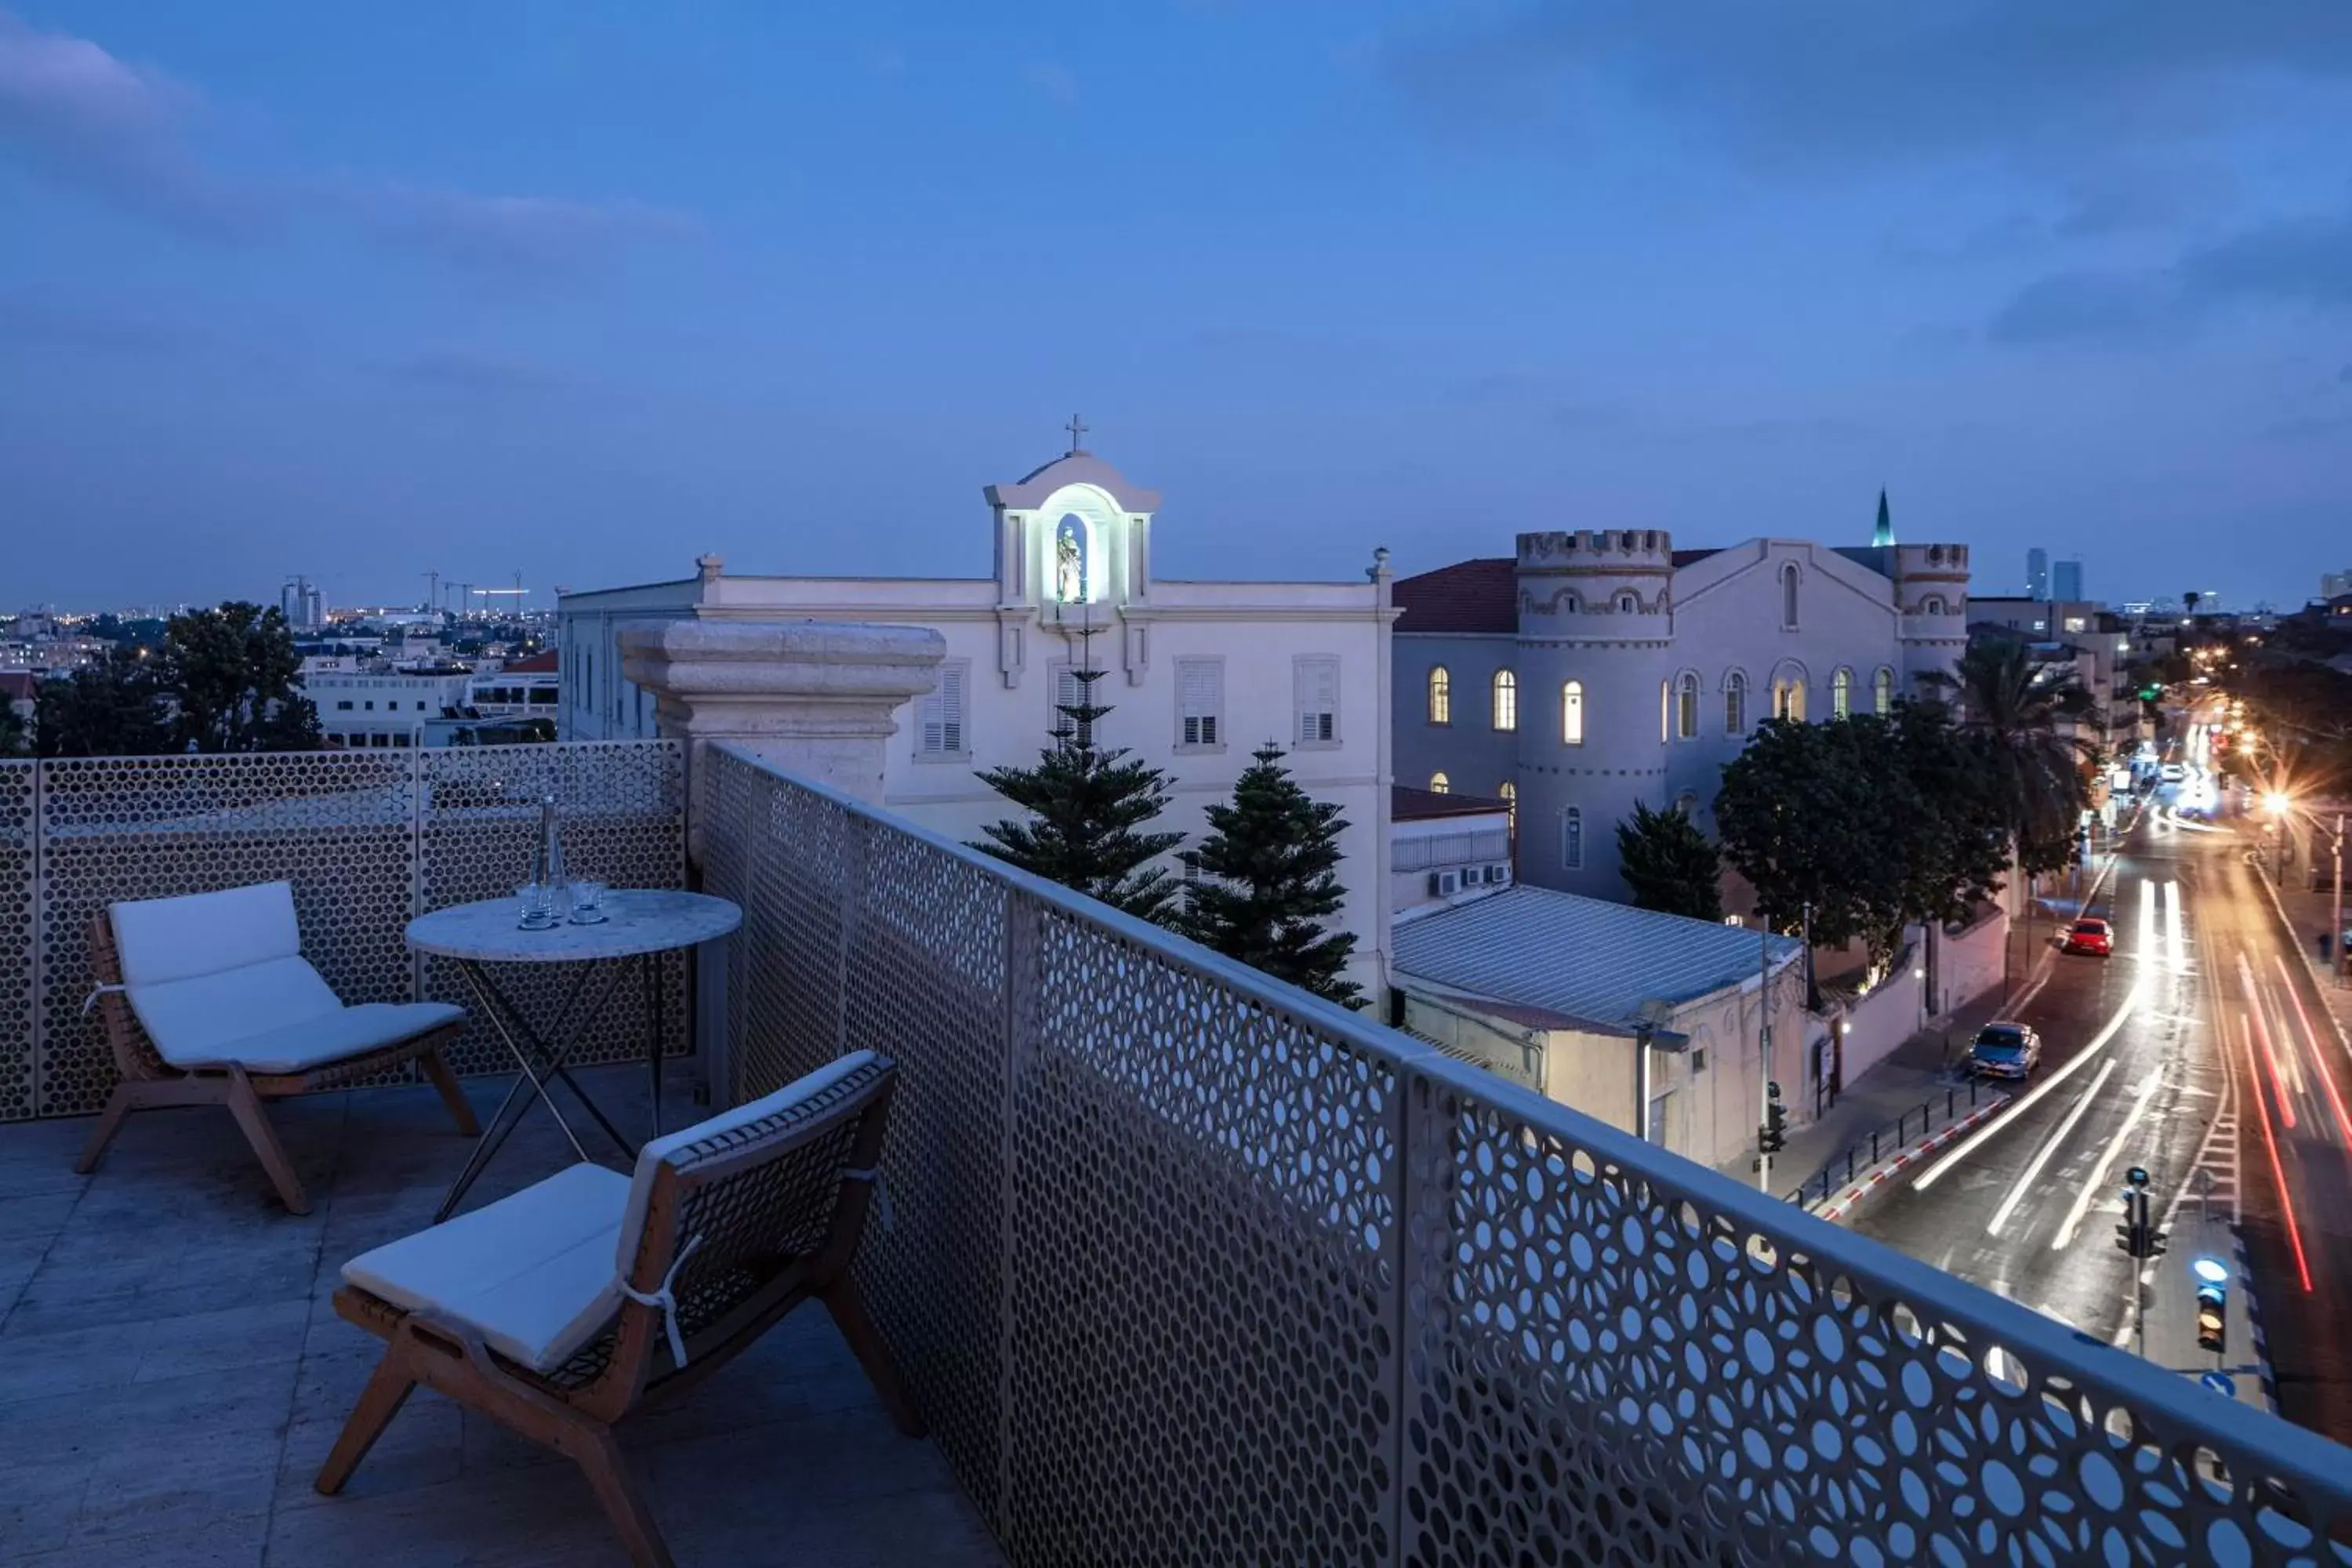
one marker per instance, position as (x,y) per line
(1604,667)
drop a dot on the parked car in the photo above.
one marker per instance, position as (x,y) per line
(2005,1048)
(2172,773)
(2090,936)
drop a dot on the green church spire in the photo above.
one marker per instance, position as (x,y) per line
(1886,534)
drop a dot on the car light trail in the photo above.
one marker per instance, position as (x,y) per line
(2260,1025)
(2148,1085)
(2025,1101)
(2278,1172)
(2032,1171)
(2318,1057)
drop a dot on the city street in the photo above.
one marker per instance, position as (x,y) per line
(2199,1052)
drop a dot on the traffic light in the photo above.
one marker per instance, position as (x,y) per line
(2137,1234)
(2212,1308)
(1773,1136)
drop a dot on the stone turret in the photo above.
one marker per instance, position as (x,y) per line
(1613,584)
(1931,594)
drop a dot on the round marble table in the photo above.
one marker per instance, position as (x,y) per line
(640,923)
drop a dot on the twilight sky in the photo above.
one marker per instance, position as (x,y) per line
(581,288)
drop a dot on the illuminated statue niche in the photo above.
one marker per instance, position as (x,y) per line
(1070,564)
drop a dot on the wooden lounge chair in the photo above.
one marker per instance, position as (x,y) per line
(570,1306)
(208,1001)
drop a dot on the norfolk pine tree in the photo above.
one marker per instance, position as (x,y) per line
(1270,862)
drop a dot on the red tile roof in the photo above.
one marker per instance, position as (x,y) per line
(536,664)
(1480,595)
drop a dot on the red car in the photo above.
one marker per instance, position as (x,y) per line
(2092,936)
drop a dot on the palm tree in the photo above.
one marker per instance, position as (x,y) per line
(2021,714)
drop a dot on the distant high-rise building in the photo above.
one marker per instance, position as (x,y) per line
(304,607)
(2065,582)
(2037,574)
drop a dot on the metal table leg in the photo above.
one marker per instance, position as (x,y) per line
(523,1043)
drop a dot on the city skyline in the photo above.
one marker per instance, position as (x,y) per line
(593,293)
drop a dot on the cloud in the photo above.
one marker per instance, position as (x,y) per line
(536,234)
(2111,307)
(1056,81)
(1847,84)
(469,371)
(2304,261)
(30,324)
(89,120)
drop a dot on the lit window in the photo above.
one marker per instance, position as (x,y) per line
(1788,597)
(942,726)
(1441,695)
(1571,713)
(1508,793)
(1200,701)
(1686,707)
(1506,701)
(1666,708)
(1841,693)
(1788,698)
(1439,784)
(1882,692)
(1735,703)
(2076,623)
(1315,691)
(1572,840)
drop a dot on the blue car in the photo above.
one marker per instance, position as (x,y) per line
(2005,1048)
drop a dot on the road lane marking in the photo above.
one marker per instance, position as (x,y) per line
(2025,1101)
(2146,1092)
(2033,1167)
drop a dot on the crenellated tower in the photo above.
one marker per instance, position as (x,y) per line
(1931,598)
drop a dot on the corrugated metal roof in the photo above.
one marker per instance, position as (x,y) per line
(1565,953)
(1407,804)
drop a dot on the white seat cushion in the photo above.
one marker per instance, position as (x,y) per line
(326,1038)
(651,1155)
(220,977)
(532,1273)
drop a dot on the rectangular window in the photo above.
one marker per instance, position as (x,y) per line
(1315,684)
(344,706)
(370,707)
(1572,840)
(941,730)
(1200,701)
(1070,691)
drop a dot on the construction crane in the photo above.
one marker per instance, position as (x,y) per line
(433,590)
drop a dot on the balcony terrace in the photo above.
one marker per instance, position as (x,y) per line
(1186,1266)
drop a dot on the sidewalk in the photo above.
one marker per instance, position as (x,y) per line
(2307,914)
(1914,1072)
(2169,1293)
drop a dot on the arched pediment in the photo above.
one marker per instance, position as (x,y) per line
(1042,488)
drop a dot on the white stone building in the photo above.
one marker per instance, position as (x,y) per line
(1198,674)
(1604,667)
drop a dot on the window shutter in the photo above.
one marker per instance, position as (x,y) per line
(943,712)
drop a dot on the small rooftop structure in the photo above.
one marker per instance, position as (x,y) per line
(1578,957)
(1407,804)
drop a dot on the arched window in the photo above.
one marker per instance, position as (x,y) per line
(1882,692)
(1789,697)
(1628,605)
(1438,784)
(1508,793)
(1841,693)
(1441,695)
(1687,804)
(1665,711)
(1572,840)
(1788,597)
(1931,605)
(1687,706)
(1506,701)
(1734,705)
(1571,713)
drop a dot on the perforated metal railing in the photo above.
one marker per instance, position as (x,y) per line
(1188,1267)
(369,840)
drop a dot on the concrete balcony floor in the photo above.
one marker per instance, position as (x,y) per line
(171,1371)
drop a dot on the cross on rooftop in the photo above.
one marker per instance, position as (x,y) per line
(1077,428)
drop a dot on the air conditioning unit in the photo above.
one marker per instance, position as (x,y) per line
(1444,884)
(1496,876)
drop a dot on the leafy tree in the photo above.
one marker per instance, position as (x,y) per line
(16,738)
(231,673)
(1271,858)
(1950,825)
(1084,808)
(110,707)
(1803,814)
(2019,714)
(1670,865)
